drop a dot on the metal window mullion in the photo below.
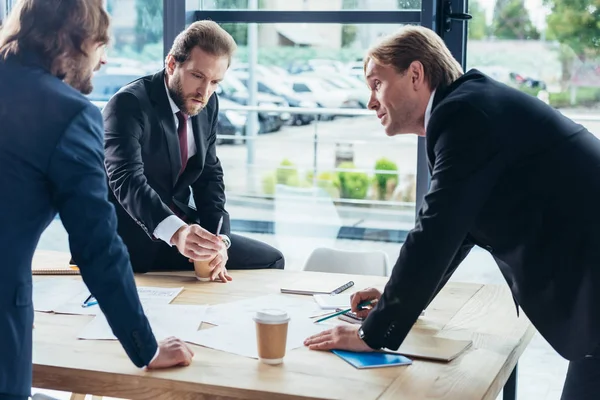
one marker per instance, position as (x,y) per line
(429,20)
(173,22)
(314,17)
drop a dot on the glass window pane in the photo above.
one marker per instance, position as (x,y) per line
(306,5)
(365,180)
(136,46)
(530,47)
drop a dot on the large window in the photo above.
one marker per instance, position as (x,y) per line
(548,49)
(136,46)
(320,171)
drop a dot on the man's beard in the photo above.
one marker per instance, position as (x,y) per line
(178,97)
(80,76)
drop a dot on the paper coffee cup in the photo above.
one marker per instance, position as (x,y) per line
(202,269)
(271,335)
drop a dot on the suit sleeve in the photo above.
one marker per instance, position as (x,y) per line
(209,188)
(466,167)
(78,183)
(123,126)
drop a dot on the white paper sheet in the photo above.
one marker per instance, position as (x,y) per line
(49,294)
(165,319)
(298,307)
(240,338)
(148,295)
(329,302)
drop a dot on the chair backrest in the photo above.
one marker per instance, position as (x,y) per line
(348,262)
(305,218)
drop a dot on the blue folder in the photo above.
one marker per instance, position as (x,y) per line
(372,359)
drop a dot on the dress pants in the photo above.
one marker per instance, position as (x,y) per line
(583,379)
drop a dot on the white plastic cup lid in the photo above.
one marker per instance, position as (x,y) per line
(271,316)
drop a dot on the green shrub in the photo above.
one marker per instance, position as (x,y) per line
(327,181)
(287,174)
(268,183)
(353,185)
(385,183)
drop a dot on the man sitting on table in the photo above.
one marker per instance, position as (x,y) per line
(51,161)
(496,156)
(161,142)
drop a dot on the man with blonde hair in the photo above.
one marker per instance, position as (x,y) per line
(495,156)
(52,161)
(160,146)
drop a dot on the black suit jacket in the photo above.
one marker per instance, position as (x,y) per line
(516,177)
(51,160)
(143,163)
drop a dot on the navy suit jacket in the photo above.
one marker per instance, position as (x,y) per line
(52,161)
(516,177)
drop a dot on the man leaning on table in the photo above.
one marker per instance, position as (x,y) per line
(496,156)
(51,159)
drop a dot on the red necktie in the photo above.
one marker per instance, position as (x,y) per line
(183,141)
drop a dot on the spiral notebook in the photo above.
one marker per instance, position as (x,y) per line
(47,262)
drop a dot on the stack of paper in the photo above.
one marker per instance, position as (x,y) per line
(243,310)
(165,319)
(228,338)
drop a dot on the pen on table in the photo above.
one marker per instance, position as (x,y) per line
(361,305)
(88,303)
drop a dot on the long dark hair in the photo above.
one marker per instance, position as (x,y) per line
(57,31)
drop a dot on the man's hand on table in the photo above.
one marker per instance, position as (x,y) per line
(341,337)
(345,337)
(172,352)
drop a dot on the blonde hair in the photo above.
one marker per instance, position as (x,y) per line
(416,43)
(58,31)
(208,36)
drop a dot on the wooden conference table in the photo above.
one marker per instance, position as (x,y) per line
(484,314)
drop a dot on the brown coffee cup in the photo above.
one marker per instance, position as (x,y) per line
(203,270)
(271,335)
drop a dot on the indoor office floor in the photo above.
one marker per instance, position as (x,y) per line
(541,369)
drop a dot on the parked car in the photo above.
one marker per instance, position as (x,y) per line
(357,91)
(107,84)
(277,87)
(232,89)
(324,94)
(231,123)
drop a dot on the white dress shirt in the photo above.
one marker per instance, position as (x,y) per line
(428,109)
(168,226)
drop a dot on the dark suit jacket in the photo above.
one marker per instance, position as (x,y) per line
(516,177)
(143,164)
(51,160)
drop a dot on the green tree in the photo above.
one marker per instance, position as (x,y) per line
(576,24)
(149,22)
(478,27)
(512,21)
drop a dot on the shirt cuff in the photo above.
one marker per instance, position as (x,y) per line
(153,358)
(167,228)
(227,241)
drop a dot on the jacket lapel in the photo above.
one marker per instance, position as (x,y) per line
(164,113)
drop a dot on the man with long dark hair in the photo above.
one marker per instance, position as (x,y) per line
(51,158)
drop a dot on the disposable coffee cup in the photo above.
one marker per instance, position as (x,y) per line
(271,335)
(202,269)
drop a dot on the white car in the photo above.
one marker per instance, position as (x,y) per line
(323,93)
